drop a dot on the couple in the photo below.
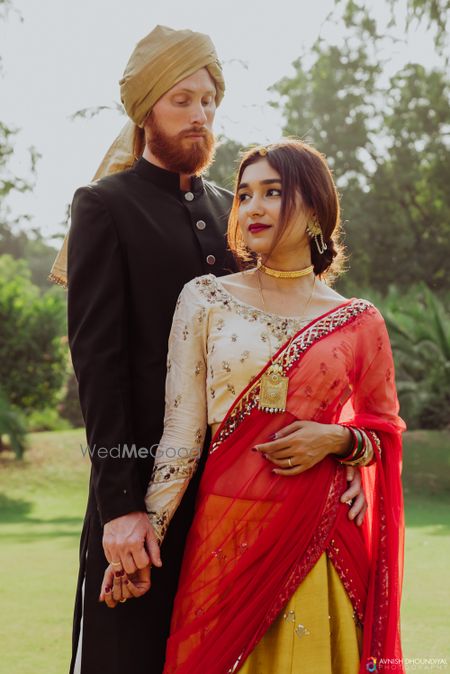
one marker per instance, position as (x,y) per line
(284,384)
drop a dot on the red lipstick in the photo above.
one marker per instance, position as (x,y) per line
(256,227)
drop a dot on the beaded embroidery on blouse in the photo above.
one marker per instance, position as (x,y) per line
(211,289)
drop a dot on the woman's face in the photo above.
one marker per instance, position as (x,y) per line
(259,194)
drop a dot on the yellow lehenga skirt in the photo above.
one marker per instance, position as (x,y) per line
(316,632)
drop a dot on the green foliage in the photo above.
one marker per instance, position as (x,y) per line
(31,247)
(47,420)
(434,13)
(13,426)
(226,162)
(388,145)
(69,408)
(32,350)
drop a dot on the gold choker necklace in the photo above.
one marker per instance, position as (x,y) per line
(284,274)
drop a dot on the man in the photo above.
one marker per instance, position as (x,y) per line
(136,237)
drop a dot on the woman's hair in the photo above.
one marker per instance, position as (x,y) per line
(302,170)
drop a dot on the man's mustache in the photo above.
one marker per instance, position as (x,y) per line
(197,131)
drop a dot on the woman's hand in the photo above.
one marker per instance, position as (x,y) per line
(302,444)
(117,586)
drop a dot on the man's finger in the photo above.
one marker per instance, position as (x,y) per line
(360,519)
(350,473)
(153,549)
(350,493)
(128,564)
(358,504)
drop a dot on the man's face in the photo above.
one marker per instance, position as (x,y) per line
(179,128)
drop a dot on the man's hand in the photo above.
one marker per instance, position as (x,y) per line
(130,540)
(118,587)
(355,496)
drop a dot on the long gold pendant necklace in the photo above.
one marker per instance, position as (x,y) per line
(274,383)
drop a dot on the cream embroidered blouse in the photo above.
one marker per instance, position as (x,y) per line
(217,345)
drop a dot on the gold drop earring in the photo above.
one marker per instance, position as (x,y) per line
(315,232)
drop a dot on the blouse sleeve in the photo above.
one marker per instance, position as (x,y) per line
(185,419)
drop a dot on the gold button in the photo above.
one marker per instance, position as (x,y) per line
(189,196)
(211,259)
(200,224)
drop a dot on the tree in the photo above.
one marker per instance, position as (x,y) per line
(226,161)
(387,146)
(32,349)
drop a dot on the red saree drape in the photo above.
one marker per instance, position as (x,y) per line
(256,535)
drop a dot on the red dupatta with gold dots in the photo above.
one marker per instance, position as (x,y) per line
(256,535)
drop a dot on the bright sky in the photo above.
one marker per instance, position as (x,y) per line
(60,56)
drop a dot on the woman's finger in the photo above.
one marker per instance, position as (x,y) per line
(109,601)
(284,462)
(126,592)
(117,585)
(108,579)
(287,430)
(274,446)
(289,472)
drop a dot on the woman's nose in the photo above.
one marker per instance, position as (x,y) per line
(256,206)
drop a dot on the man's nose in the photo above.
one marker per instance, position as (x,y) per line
(199,115)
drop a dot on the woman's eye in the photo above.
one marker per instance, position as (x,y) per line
(181,101)
(273,193)
(207,101)
(243,196)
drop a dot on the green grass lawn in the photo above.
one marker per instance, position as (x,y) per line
(42,501)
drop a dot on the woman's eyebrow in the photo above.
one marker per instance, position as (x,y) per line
(268,181)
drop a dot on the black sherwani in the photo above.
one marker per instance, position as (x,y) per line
(135,240)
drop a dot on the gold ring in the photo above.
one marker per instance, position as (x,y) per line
(116,563)
(290,462)
(122,601)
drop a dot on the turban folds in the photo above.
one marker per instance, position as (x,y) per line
(159,61)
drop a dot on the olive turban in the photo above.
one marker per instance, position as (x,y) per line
(162,59)
(159,61)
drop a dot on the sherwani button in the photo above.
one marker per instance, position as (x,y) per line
(200,224)
(211,259)
(189,196)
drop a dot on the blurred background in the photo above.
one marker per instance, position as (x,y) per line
(369,87)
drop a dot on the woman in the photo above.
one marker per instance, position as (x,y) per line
(297,383)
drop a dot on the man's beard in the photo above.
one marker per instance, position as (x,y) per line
(174,155)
